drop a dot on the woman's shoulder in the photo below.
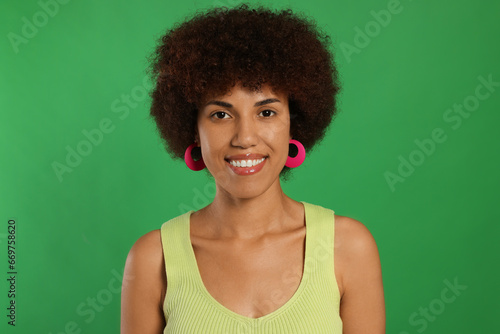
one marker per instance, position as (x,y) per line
(356,254)
(353,243)
(146,253)
(144,285)
(349,232)
(352,234)
(145,265)
(149,246)
(146,246)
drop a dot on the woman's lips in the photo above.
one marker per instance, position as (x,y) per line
(247,156)
(247,170)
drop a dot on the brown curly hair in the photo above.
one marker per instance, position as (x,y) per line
(211,51)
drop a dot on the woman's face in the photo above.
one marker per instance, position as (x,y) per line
(240,126)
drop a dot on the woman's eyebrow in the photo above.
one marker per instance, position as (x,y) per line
(266,101)
(219,103)
(229,105)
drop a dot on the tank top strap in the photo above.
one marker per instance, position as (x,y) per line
(320,222)
(176,250)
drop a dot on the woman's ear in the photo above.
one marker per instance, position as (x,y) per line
(196,134)
(196,137)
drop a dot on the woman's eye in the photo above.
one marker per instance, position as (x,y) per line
(219,113)
(267,112)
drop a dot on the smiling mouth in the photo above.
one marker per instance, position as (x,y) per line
(246,163)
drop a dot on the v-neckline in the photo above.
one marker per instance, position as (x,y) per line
(303,281)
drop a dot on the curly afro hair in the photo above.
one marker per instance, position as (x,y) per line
(213,50)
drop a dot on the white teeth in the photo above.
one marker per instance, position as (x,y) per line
(246,163)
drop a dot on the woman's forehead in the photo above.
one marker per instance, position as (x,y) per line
(265,90)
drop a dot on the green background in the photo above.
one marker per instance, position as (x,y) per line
(435,224)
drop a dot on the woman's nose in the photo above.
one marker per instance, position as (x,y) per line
(246,133)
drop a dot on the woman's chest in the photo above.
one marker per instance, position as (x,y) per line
(252,278)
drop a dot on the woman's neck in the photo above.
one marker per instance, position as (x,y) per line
(248,218)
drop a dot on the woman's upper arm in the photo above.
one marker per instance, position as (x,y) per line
(143,287)
(362,307)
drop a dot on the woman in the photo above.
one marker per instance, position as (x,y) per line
(244,94)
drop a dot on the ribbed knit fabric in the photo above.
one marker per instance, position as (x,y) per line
(314,308)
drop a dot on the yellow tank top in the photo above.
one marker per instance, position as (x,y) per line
(314,308)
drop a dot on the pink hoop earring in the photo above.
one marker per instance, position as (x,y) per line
(190,162)
(301,155)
